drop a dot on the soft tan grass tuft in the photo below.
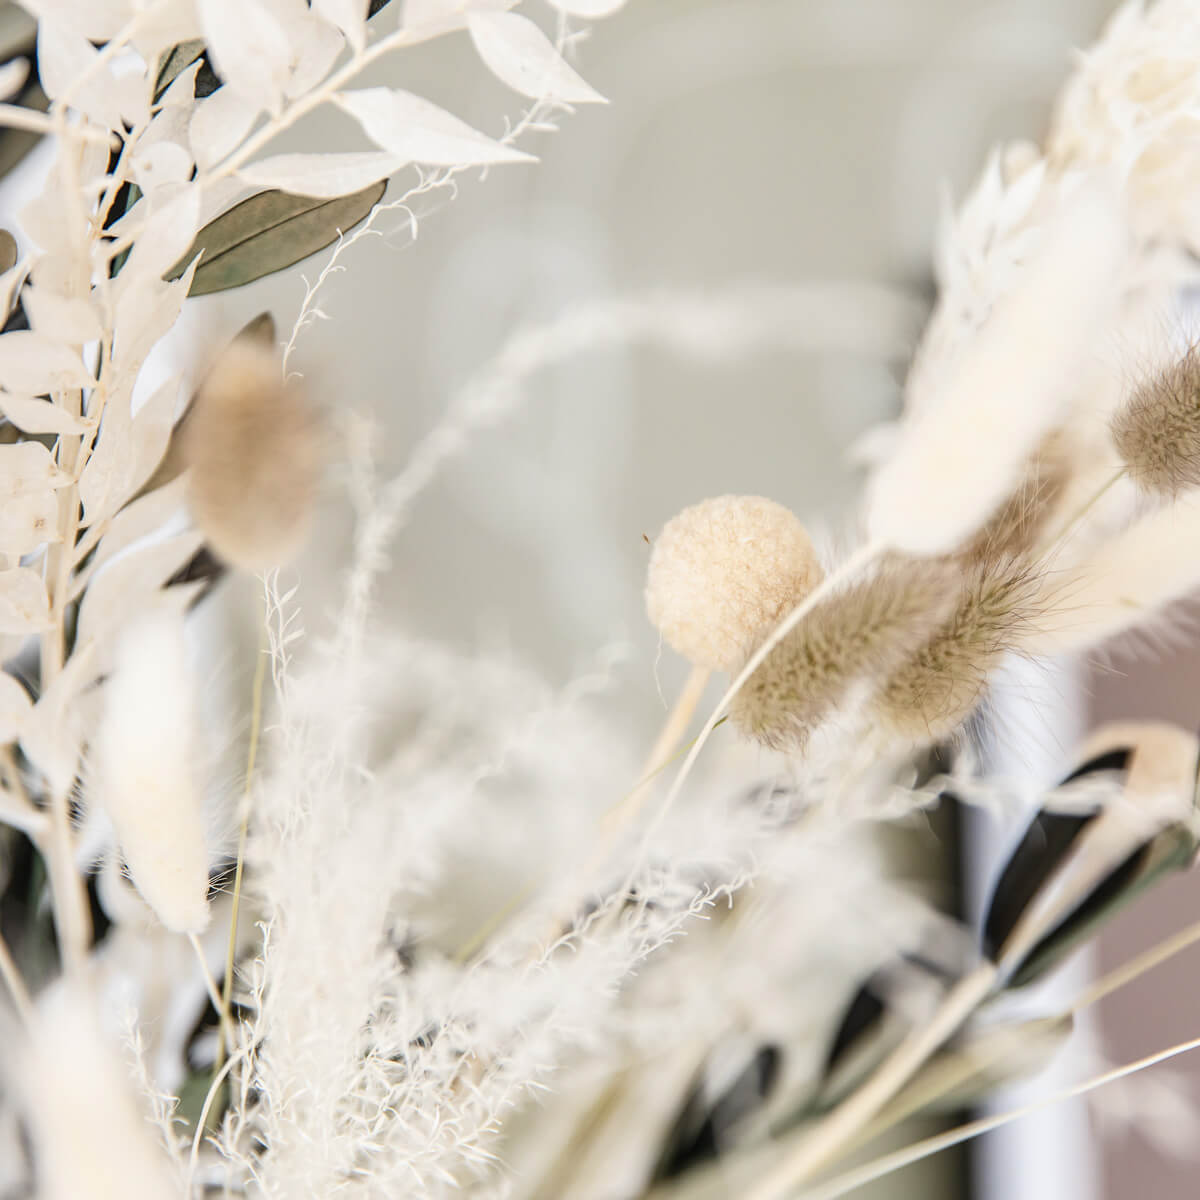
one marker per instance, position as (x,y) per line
(938,687)
(725,570)
(1157,431)
(253,446)
(860,634)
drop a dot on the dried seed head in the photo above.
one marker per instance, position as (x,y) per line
(253,445)
(936,689)
(725,570)
(1022,520)
(860,634)
(1157,431)
(145,771)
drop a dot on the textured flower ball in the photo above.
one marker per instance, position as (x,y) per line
(724,572)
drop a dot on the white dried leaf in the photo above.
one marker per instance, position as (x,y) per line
(70,319)
(152,425)
(128,583)
(431,18)
(10,281)
(33,363)
(24,605)
(218,125)
(52,736)
(589,10)
(140,518)
(28,467)
(163,25)
(519,54)
(107,479)
(12,75)
(321,174)
(38,416)
(15,706)
(146,308)
(28,520)
(65,55)
(96,20)
(250,50)
(169,228)
(350,16)
(415,130)
(315,48)
(180,94)
(161,163)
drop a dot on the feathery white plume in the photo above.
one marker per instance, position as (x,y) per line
(1122,583)
(963,455)
(145,771)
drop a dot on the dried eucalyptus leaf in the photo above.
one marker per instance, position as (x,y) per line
(1071,870)
(978,1063)
(8,251)
(268,232)
(1039,852)
(1173,849)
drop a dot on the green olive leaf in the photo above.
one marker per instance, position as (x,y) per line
(8,251)
(268,232)
(174,62)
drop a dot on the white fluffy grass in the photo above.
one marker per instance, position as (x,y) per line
(962,456)
(145,771)
(1125,582)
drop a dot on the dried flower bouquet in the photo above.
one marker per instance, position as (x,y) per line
(625,1002)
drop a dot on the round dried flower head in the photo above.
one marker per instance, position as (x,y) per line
(723,572)
(1157,431)
(253,445)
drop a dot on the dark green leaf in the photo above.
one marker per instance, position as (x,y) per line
(1170,850)
(16,143)
(174,62)
(706,1125)
(18,34)
(269,232)
(8,251)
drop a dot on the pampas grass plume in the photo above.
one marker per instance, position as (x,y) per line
(145,771)
(90,1139)
(858,635)
(253,446)
(725,570)
(1157,431)
(962,457)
